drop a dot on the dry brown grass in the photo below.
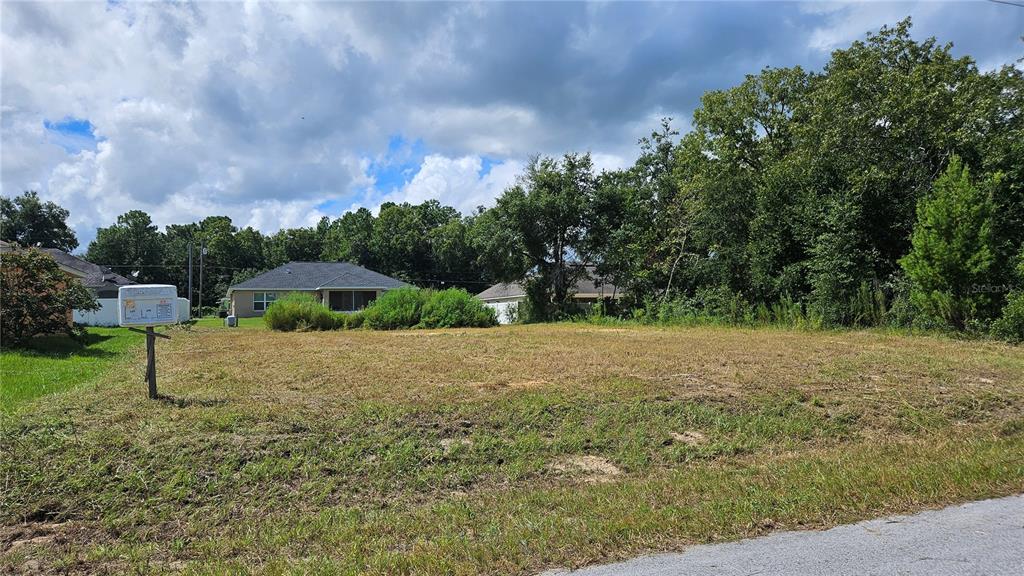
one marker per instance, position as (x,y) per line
(500,450)
(326,371)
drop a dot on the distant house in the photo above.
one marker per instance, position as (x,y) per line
(342,286)
(505,298)
(101,281)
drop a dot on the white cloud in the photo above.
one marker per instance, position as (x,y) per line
(499,130)
(457,182)
(266,111)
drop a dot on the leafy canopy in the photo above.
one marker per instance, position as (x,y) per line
(28,221)
(38,297)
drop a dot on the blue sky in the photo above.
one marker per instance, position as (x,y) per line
(279,114)
(71,134)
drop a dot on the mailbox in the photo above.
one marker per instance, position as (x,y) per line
(147,305)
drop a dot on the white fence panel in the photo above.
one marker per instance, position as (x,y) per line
(183,310)
(107,314)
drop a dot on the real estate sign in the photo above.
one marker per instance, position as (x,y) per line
(147,305)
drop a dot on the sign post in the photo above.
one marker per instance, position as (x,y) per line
(148,305)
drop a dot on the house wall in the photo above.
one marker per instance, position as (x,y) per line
(241,301)
(506,308)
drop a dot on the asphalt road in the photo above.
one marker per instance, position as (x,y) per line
(980,538)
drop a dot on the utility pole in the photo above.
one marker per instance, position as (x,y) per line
(190,294)
(202,252)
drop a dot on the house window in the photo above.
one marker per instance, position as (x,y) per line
(350,300)
(262,300)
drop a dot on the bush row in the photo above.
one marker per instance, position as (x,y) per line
(394,309)
(887,305)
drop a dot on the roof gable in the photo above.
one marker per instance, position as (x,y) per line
(89,274)
(503,290)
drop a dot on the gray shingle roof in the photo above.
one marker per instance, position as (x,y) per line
(316,275)
(93,275)
(585,287)
(512,290)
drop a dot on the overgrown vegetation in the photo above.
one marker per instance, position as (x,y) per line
(400,308)
(456,308)
(1010,325)
(394,309)
(504,451)
(300,311)
(37,298)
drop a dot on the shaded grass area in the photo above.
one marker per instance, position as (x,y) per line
(499,451)
(57,363)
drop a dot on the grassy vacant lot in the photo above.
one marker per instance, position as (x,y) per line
(506,450)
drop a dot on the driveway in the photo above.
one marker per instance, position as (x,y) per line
(980,538)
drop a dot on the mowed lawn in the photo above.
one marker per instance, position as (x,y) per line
(500,451)
(54,364)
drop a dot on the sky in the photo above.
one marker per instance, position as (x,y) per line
(277,114)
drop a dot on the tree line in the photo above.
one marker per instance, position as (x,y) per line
(886,188)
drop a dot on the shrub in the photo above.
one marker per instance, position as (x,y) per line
(1010,325)
(299,311)
(455,308)
(952,250)
(37,297)
(399,308)
(868,307)
(352,320)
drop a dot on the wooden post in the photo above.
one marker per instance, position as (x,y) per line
(151,361)
(151,336)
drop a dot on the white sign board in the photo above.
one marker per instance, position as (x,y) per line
(147,305)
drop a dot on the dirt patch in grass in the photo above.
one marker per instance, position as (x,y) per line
(689,437)
(498,451)
(589,468)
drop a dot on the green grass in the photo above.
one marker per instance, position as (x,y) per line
(57,363)
(498,451)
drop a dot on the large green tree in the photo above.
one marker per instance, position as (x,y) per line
(29,221)
(294,245)
(133,246)
(348,238)
(548,215)
(633,220)
(804,184)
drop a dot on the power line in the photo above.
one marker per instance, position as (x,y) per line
(1008,3)
(209,267)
